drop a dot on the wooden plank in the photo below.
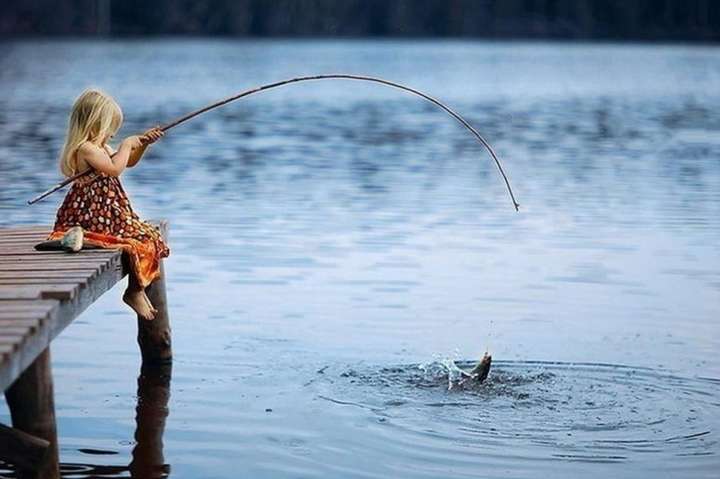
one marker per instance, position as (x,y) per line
(14,343)
(40,260)
(52,274)
(16,238)
(27,314)
(57,267)
(68,258)
(21,232)
(9,242)
(60,268)
(39,291)
(89,252)
(36,238)
(24,246)
(28,226)
(60,271)
(34,263)
(20,239)
(14,337)
(42,282)
(54,266)
(22,311)
(19,315)
(15,234)
(58,255)
(31,324)
(15,231)
(12,331)
(19,293)
(8,254)
(6,311)
(32,229)
(11,305)
(22,317)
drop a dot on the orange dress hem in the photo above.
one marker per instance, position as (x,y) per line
(144,259)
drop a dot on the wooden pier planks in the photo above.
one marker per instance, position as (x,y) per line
(42,292)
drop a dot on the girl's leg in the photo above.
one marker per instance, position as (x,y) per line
(147,300)
(135,298)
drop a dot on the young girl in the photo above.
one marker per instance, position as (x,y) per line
(98,203)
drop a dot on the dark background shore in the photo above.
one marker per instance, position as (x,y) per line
(614,20)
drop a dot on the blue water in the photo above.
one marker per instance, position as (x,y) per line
(333,243)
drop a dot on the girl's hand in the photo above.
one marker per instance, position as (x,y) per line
(152,135)
(133,142)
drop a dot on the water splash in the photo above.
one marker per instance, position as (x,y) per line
(568,411)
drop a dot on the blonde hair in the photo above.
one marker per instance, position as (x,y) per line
(95,117)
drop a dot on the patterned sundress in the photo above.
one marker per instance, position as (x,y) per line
(98,203)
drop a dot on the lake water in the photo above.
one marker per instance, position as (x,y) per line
(334,243)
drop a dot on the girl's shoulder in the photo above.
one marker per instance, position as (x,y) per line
(89,148)
(87,154)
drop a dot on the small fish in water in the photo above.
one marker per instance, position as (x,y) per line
(480,372)
(72,241)
(477,375)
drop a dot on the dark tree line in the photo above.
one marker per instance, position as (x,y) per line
(681,20)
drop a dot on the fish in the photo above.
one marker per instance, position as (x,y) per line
(480,372)
(476,375)
(72,241)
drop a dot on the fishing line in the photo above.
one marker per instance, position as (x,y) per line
(269,86)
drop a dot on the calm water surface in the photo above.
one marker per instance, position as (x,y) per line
(334,244)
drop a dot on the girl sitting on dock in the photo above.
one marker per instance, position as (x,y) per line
(97,202)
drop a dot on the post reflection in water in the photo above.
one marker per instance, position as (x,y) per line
(151,412)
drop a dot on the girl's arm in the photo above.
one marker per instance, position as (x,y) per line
(147,138)
(99,159)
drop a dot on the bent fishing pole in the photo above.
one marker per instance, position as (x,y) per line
(269,86)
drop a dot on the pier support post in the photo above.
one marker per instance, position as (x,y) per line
(154,337)
(32,408)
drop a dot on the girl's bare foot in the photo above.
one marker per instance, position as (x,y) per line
(150,305)
(135,300)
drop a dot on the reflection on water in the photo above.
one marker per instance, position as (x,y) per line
(148,461)
(350,227)
(151,414)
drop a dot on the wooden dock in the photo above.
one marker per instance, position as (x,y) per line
(41,293)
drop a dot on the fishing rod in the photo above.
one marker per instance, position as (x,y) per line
(269,86)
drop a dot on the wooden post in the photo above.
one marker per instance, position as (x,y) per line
(32,408)
(21,449)
(154,337)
